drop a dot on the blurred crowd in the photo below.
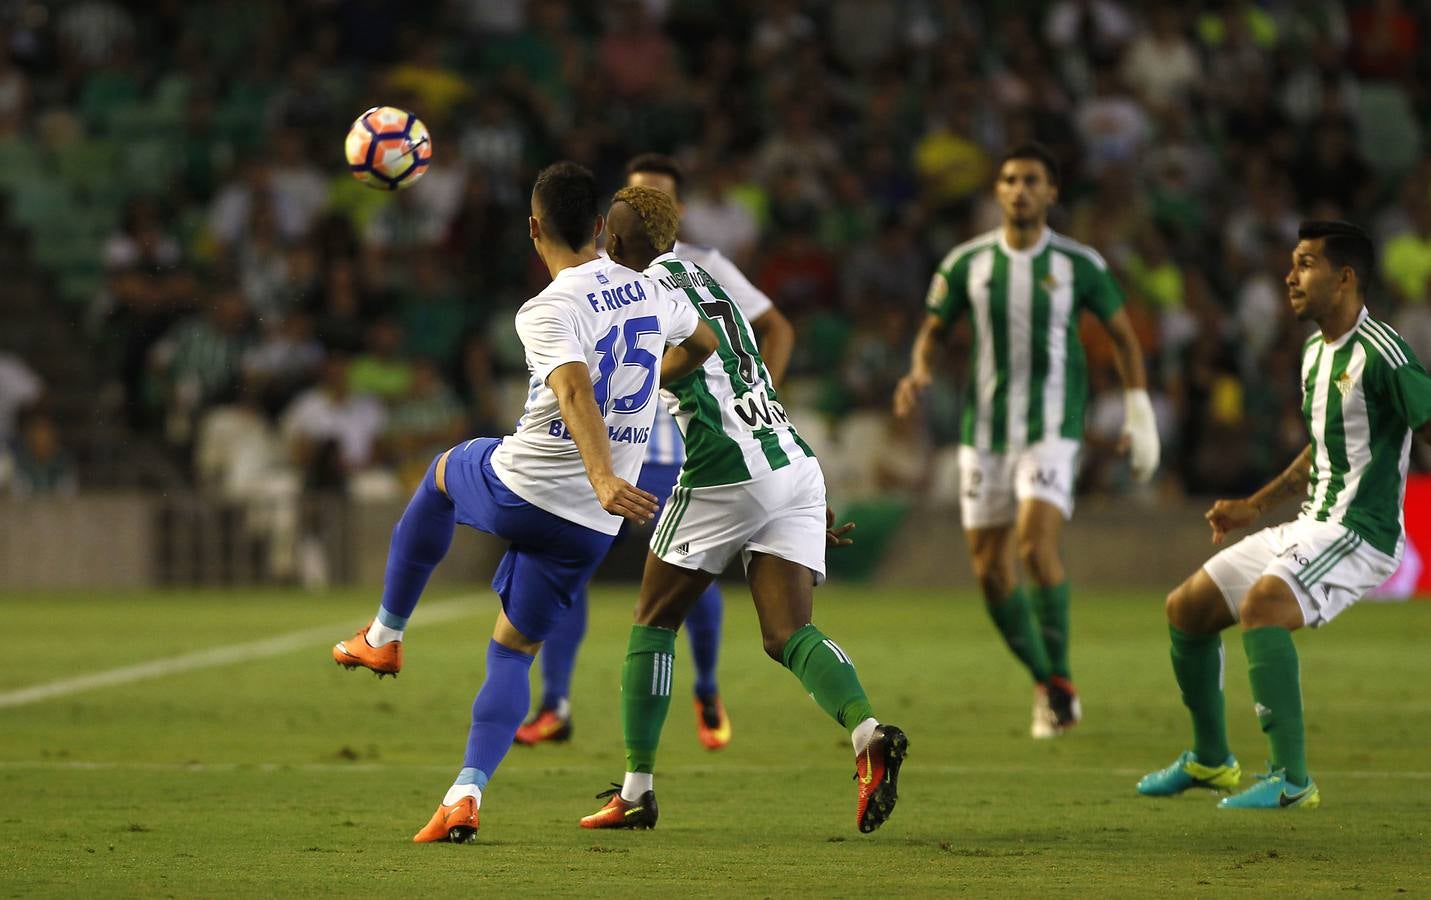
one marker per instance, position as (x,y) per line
(280,328)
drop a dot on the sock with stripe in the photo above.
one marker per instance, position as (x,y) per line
(703,628)
(646,694)
(1276,679)
(469,783)
(500,706)
(559,654)
(1050,606)
(1015,621)
(1197,665)
(419,542)
(828,676)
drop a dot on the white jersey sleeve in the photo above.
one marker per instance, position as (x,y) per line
(548,330)
(752,300)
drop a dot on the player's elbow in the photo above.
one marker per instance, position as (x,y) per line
(772,328)
(701,344)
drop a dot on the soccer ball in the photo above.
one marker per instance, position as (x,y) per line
(388,148)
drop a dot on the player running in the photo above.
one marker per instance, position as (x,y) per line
(664,454)
(1363,394)
(558,488)
(750,486)
(1022,287)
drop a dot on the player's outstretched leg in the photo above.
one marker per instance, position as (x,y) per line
(645,701)
(703,627)
(496,713)
(784,593)
(552,720)
(419,542)
(1197,614)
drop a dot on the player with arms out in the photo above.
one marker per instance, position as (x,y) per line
(749,486)
(1022,286)
(664,454)
(558,488)
(1363,395)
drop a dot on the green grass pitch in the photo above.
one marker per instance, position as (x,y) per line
(286,775)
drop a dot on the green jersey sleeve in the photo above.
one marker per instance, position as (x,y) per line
(1097,289)
(1410,392)
(948,295)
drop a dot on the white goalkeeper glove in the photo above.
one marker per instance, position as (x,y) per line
(1140,428)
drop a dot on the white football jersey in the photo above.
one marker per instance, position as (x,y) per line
(617,322)
(667,447)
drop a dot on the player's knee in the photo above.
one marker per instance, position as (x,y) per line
(1267,605)
(1039,560)
(1187,612)
(993,576)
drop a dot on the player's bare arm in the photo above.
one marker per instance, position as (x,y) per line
(927,347)
(1229,515)
(775,337)
(684,358)
(1140,429)
(572,385)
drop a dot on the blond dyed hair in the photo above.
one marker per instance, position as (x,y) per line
(658,213)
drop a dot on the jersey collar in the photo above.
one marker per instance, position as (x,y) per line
(1031,252)
(669,254)
(1341,341)
(588,266)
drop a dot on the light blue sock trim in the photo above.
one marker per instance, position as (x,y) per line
(391,619)
(469,775)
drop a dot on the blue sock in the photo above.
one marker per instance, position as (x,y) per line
(559,653)
(420,541)
(703,627)
(500,706)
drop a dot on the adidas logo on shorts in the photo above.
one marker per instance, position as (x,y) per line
(683,548)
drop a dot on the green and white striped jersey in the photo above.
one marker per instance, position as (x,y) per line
(1029,376)
(734,426)
(1362,396)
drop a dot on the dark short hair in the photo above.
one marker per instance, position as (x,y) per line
(1036,151)
(1343,244)
(567,196)
(658,164)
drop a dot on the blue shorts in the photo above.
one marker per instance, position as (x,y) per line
(550,558)
(658,479)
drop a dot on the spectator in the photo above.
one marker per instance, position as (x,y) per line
(198,362)
(38,465)
(20,387)
(331,432)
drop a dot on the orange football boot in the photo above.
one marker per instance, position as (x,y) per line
(456,824)
(712,724)
(354,652)
(877,775)
(618,813)
(545,726)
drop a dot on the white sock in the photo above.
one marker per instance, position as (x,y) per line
(379,634)
(636,784)
(458,791)
(863,734)
(563,710)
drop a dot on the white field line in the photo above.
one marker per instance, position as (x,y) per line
(219,656)
(711,769)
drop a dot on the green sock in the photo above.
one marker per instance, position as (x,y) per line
(1277,690)
(1051,607)
(828,676)
(646,693)
(1016,623)
(1197,665)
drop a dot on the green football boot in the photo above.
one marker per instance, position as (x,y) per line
(1186,772)
(1273,791)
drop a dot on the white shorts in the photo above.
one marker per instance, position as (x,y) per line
(1328,567)
(781,514)
(992,485)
